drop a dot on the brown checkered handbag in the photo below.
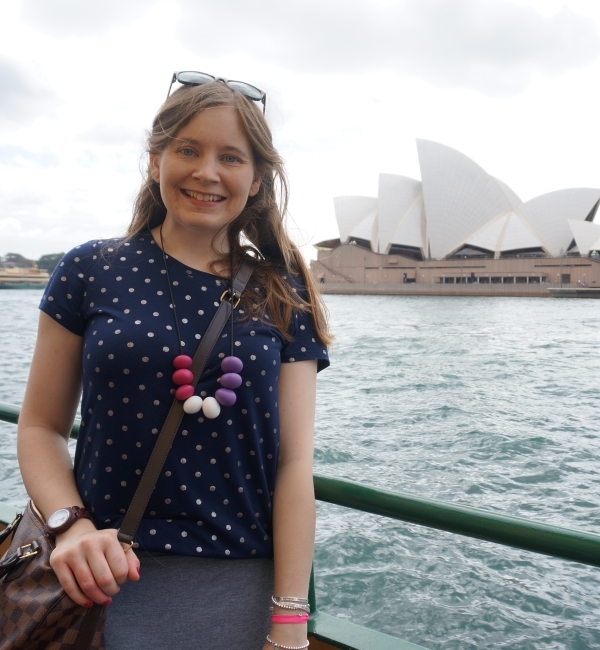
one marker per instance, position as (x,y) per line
(35,612)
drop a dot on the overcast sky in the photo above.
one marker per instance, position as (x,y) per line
(350,84)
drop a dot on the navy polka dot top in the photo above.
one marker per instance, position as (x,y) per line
(213,498)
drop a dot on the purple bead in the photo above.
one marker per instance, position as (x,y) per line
(182,361)
(231,364)
(231,380)
(225,396)
(183,376)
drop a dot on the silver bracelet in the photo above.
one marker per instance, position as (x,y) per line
(292,599)
(279,646)
(290,604)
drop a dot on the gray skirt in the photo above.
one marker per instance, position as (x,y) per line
(185,603)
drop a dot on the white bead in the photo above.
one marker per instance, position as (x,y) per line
(211,408)
(192,404)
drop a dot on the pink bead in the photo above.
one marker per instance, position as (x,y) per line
(182,361)
(231,380)
(225,396)
(184,392)
(231,364)
(183,376)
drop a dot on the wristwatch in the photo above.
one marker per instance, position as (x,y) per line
(63,519)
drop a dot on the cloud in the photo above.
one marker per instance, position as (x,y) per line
(494,46)
(23,98)
(21,157)
(112,135)
(81,18)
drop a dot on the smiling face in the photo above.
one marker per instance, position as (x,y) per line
(207,173)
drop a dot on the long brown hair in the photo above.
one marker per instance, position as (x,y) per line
(261,220)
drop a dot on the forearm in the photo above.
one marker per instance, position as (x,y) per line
(293,528)
(294,497)
(47,469)
(49,406)
(293,543)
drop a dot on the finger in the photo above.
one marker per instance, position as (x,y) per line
(117,562)
(69,583)
(86,579)
(102,567)
(133,564)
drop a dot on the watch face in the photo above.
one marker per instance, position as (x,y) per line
(59,518)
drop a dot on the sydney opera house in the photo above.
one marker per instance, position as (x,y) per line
(460,225)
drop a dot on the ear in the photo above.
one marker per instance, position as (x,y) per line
(254,187)
(155,167)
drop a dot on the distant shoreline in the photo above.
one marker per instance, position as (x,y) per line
(536,290)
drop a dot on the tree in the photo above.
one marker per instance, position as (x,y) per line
(49,261)
(16,259)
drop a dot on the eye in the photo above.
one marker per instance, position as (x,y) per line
(186,151)
(230,158)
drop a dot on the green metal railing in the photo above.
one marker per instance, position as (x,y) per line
(574,545)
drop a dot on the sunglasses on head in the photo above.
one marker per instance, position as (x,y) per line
(189,78)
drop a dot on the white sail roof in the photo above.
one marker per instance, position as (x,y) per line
(460,197)
(459,204)
(586,235)
(350,211)
(549,215)
(399,210)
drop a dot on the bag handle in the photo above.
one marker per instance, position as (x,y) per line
(142,495)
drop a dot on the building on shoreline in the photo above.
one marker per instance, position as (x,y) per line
(460,226)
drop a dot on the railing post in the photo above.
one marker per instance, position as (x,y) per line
(312,597)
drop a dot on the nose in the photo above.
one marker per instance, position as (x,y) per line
(206,169)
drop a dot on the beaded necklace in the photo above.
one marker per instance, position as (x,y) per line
(183,376)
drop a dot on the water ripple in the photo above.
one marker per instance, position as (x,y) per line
(484,402)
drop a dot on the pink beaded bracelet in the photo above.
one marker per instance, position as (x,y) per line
(297,619)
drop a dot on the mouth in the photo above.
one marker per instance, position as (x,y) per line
(212,198)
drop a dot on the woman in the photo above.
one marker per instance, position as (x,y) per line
(231,519)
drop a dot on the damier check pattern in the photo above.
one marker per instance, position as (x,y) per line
(35,612)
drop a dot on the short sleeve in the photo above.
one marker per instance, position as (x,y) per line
(304,345)
(64,295)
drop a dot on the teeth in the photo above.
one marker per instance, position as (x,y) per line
(203,197)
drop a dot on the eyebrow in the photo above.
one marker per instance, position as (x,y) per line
(228,147)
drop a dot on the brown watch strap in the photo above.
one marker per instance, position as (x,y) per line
(170,427)
(77,512)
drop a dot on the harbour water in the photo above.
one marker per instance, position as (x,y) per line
(488,402)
